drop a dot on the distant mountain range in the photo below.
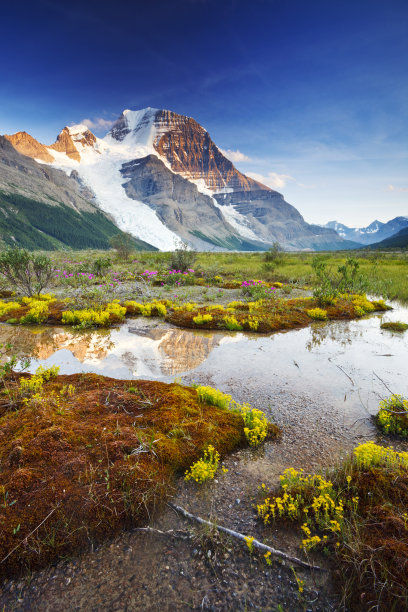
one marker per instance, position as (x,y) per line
(373,233)
(157,175)
(397,241)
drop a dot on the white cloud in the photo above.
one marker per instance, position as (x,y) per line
(98,124)
(272,179)
(399,189)
(235,156)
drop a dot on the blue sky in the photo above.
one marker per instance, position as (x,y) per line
(311,96)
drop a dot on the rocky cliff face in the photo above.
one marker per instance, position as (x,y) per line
(178,203)
(274,220)
(23,175)
(69,138)
(42,207)
(190,151)
(67,142)
(27,145)
(161,176)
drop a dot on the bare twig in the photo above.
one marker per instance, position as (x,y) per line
(171,532)
(340,368)
(29,535)
(240,536)
(385,385)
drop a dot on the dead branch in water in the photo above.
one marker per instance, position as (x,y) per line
(240,536)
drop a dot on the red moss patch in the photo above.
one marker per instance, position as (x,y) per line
(76,469)
(271,315)
(377,559)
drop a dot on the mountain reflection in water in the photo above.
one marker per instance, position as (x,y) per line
(136,349)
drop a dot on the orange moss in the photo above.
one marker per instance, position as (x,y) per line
(96,461)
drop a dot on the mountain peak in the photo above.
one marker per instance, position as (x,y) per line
(27,145)
(80,128)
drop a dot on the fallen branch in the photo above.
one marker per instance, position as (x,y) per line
(381,380)
(240,536)
(171,532)
(341,369)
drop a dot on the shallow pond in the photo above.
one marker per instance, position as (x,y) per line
(321,384)
(351,364)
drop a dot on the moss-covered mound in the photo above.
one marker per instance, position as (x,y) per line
(262,316)
(394,326)
(270,315)
(83,456)
(46,309)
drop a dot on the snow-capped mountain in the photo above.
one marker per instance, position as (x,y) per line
(375,232)
(43,208)
(161,178)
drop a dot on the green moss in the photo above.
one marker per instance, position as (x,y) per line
(395,326)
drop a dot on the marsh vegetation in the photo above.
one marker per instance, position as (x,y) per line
(84,456)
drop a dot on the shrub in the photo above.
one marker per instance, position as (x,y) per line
(123,244)
(274,254)
(331,283)
(257,290)
(29,272)
(101,265)
(182,258)
(393,415)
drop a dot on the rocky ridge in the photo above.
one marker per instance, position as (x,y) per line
(160,175)
(373,233)
(42,207)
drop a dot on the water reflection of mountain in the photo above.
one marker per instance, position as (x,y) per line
(184,350)
(141,350)
(42,342)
